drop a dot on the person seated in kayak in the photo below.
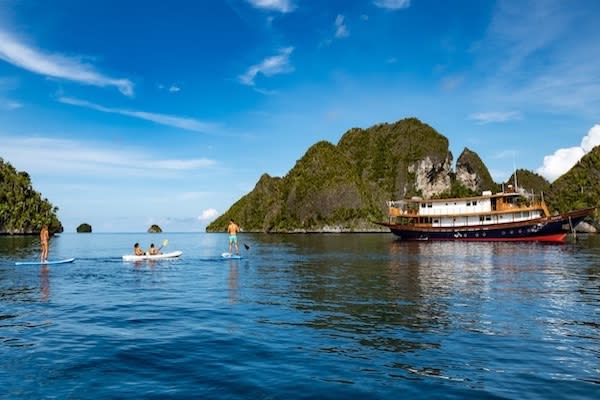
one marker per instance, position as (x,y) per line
(137,250)
(153,251)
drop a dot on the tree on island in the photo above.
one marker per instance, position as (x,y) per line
(84,228)
(22,209)
(154,229)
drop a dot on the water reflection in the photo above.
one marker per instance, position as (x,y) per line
(44,283)
(232,281)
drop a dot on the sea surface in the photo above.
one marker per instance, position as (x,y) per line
(322,316)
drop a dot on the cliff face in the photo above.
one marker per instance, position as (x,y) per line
(472,173)
(344,187)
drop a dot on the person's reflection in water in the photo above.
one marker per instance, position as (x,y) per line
(44,283)
(233,281)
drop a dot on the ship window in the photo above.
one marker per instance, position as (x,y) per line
(429,205)
(488,218)
(468,203)
(436,221)
(474,202)
(422,205)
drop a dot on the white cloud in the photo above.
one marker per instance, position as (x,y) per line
(10,105)
(46,156)
(592,139)
(189,124)
(274,65)
(392,4)
(495,116)
(208,215)
(174,89)
(283,6)
(563,160)
(341,30)
(57,65)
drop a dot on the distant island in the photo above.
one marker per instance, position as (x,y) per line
(23,211)
(84,228)
(344,187)
(154,229)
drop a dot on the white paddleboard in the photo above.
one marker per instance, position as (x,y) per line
(229,255)
(172,254)
(65,261)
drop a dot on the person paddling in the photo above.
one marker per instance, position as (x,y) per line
(233,230)
(137,250)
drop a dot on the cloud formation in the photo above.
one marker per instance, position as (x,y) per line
(484,118)
(563,160)
(392,4)
(208,215)
(189,124)
(341,30)
(57,65)
(47,156)
(274,65)
(283,6)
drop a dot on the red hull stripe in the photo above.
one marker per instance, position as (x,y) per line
(558,237)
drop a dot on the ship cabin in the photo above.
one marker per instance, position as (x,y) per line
(487,209)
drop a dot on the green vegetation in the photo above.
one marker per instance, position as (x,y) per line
(530,181)
(84,228)
(154,229)
(579,187)
(470,164)
(345,187)
(341,187)
(22,209)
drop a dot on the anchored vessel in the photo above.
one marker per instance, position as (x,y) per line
(504,216)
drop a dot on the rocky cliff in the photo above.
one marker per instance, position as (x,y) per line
(344,187)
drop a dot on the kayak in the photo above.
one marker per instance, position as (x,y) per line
(65,261)
(173,254)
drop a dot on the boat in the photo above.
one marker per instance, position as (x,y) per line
(173,254)
(514,215)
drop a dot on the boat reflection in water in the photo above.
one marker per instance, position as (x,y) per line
(514,215)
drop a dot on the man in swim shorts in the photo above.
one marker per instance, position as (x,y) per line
(233,230)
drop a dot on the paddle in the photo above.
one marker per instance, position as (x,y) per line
(164,243)
(246,246)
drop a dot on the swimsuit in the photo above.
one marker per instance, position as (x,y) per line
(232,238)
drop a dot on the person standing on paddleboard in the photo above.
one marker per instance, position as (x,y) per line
(233,230)
(44,235)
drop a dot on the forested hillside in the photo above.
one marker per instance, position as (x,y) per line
(22,209)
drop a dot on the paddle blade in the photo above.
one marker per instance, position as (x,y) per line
(246,246)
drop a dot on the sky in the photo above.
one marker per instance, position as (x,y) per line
(129,113)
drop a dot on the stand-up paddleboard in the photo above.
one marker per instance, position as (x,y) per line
(65,261)
(229,255)
(172,254)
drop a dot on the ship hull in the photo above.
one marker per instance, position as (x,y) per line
(549,229)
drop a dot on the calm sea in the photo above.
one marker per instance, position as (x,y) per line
(300,317)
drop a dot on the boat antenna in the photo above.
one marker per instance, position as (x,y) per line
(515,169)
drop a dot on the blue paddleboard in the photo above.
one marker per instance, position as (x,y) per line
(229,255)
(65,261)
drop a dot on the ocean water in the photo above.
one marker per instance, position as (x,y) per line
(300,317)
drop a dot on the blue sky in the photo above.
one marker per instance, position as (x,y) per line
(129,113)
